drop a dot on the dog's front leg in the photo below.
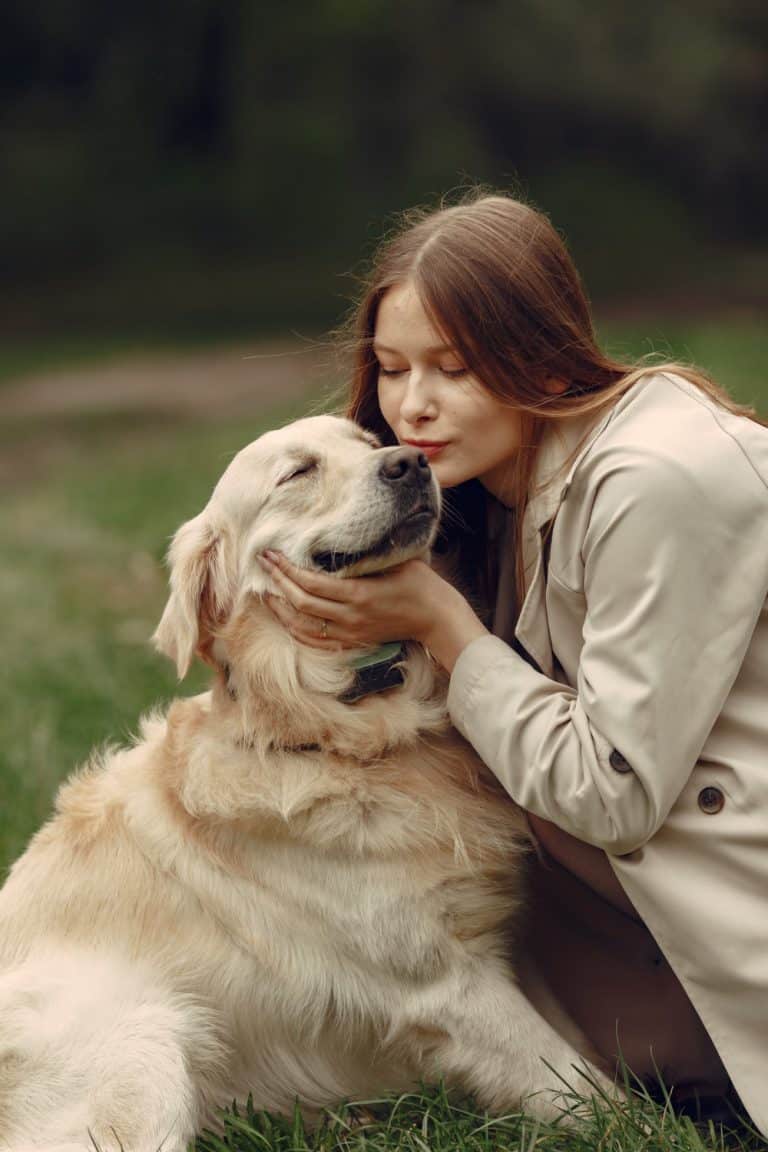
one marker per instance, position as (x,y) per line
(95,1049)
(477,1031)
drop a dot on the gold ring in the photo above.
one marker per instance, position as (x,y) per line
(324,629)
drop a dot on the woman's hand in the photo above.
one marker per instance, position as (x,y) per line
(407,602)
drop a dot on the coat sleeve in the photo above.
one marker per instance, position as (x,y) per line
(675,575)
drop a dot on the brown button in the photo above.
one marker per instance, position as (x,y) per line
(711,800)
(618,763)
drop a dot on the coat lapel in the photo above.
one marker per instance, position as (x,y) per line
(532,628)
(550,488)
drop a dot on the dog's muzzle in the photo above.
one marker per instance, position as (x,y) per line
(406,474)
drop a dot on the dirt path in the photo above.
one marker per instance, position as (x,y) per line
(226,381)
(41,413)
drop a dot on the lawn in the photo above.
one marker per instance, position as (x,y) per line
(90,501)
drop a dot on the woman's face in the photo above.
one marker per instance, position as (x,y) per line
(430,401)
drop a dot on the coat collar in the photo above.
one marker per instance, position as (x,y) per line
(563,441)
(552,478)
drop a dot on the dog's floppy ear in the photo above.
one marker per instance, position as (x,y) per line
(200,592)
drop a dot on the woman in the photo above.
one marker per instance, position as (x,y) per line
(609,651)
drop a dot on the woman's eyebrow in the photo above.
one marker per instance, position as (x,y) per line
(434,349)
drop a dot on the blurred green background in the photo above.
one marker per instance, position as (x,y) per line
(189,191)
(221,164)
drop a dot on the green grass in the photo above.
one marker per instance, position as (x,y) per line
(82,584)
(431,1121)
(733,352)
(89,504)
(20,357)
(24,357)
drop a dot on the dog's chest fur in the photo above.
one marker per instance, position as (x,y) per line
(300,891)
(384,858)
(384,863)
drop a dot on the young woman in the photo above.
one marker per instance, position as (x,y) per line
(608,651)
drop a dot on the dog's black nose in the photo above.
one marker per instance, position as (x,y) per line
(404,466)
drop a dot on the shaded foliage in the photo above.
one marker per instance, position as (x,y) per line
(237,152)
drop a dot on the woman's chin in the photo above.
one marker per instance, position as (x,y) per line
(448,477)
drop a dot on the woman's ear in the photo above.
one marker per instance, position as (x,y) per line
(555,387)
(201,592)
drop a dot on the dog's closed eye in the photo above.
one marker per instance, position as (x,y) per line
(299,468)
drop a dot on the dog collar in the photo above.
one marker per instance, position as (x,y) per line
(376,671)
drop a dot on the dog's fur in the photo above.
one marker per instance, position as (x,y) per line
(272,891)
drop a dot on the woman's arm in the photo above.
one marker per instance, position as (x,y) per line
(672,594)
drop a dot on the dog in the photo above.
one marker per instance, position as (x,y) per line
(299,884)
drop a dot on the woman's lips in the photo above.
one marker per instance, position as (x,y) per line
(429,448)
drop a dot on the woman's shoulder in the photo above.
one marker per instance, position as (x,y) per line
(664,426)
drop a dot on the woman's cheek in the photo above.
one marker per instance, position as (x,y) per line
(387,405)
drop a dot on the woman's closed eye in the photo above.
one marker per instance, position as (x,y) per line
(454,373)
(451,373)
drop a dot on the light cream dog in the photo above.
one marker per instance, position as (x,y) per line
(279,889)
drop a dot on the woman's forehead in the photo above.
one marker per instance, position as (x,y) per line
(402,318)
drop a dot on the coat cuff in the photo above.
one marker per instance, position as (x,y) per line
(473,664)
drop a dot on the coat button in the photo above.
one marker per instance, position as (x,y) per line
(618,763)
(711,800)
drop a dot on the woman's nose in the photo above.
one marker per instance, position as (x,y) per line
(417,399)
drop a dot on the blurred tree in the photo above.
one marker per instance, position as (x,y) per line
(218,158)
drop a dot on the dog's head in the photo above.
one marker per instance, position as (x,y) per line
(320,490)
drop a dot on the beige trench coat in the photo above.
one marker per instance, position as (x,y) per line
(646,731)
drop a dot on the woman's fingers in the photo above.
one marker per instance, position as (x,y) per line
(317,632)
(296,594)
(367,610)
(316,584)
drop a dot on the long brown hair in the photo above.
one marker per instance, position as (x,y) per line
(498,282)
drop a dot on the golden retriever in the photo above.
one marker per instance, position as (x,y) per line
(284,887)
